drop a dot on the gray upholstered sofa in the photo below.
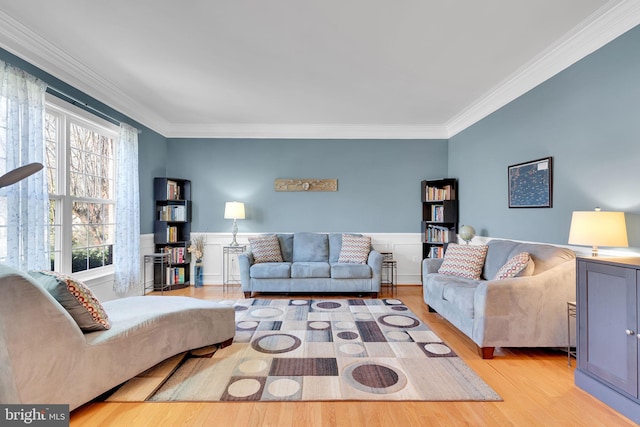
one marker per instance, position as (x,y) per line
(529,311)
(310,265)
(45,357)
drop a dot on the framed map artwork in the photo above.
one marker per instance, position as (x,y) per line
(531,184)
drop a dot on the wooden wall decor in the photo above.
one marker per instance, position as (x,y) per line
(306,184)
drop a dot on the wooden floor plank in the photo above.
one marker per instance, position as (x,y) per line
(141,387)
(536,385)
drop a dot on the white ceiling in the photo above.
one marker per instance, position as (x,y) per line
(314,68)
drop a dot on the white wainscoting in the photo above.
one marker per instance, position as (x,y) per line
(102,285)
(406,248)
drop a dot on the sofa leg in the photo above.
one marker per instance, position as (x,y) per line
(247,294)
(226,343)
(431,310)
(486,352)
(374,295)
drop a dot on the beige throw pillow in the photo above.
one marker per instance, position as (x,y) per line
(464,260)
(355,249)
(265,249)
(76,298)
(518,266)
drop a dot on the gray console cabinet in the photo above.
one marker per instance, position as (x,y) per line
(608,301)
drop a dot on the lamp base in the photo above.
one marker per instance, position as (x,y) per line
(235,231)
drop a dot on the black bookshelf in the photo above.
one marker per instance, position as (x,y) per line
(172,231)
(439,215)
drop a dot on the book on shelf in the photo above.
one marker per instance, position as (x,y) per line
(172,234)
(173,213)
(445,192)
(436,252)
(178,255)
(437,234)
(437,213)
(173,190)
(175,275)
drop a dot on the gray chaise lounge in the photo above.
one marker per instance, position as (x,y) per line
(45,358)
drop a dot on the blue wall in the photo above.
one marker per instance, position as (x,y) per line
(588,119)
(378,182)
(152,156)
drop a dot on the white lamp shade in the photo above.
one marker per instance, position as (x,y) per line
(234,210)
(598,228)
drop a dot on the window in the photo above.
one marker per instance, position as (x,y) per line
(80,162)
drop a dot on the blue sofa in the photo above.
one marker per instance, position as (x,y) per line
(310,265)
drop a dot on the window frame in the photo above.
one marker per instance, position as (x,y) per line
(67,114)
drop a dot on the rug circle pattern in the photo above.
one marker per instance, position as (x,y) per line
(338,349)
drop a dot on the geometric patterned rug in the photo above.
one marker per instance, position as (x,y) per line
(343,349)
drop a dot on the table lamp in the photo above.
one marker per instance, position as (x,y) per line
(235,211)
(597,228)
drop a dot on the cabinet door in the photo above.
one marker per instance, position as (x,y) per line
(607,315)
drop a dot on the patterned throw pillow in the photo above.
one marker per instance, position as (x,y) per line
(464,260)
(265,249)
(517,266)
(76,298)
(355,249)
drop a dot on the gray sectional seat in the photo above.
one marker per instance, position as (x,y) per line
(310,265)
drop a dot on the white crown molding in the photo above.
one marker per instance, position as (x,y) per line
(609,22)
(24,43)
(612,20)
(308,131)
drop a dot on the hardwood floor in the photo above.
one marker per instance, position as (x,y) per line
(536,385)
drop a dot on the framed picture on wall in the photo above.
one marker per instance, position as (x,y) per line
(531,184)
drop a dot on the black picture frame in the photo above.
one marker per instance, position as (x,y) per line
(531,184)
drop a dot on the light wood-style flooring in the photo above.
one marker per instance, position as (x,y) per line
(536,385)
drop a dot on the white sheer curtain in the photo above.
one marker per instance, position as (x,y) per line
(24,241)
(127,240)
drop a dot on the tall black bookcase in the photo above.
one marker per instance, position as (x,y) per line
(172,232)
(439,215)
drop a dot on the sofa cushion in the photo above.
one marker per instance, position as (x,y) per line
(350,271)
(518,266)
(286,246)
(310,247)
(463,260)
(544,256)
(460,293)
(271,270)
(265,249)
(310,269)
(76,298)
(355,249)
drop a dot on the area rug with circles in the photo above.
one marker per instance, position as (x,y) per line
(342,349)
